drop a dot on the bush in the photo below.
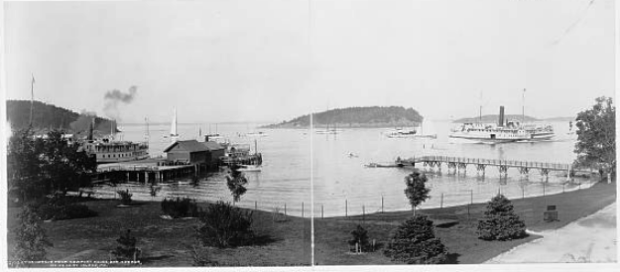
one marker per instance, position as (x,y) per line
(69,211)
(500,222)
(414,242)
(360,237)
(200,257)
(225,226)
(126,249)
(30,238)
(180,207)
(61,208)
(125,196)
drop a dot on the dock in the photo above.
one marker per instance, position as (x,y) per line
(460,164)
(148,171)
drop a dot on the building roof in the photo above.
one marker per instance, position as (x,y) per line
(188,146)
(213,146)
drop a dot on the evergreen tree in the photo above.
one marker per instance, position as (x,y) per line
(414,242)
(126,249)
(360,237)
(500,222)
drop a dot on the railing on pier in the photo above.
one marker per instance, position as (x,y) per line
(495,162)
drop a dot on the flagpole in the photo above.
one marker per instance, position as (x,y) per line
(523,109)
(31,99)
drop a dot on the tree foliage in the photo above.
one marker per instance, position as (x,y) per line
(358,115)
(414,242)
(43,165)
(360,237)
(225,226)
(500,222)
(236,182)
(31,240)
(596,131)
(48,117)
(416,190)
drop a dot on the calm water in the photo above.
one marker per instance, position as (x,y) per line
(285,178)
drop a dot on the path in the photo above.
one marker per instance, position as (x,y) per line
(589,239)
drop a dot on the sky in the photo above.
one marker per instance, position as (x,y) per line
(273,60)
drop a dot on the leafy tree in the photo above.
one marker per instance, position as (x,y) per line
(225,226)
(414,242)
(39,166)
(416,190)
(236,182)
(180,207)
(31,240)
(500,222)
(596,136)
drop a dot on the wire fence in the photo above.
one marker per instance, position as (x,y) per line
(359,206)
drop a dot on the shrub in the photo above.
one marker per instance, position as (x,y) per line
(414,242)
(180,207)
(154,190)
(500,222)
(68,211)
(126,249)
(125,196)
(225,226)
(360,237)
(30,238)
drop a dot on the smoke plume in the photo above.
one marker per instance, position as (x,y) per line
(114,98)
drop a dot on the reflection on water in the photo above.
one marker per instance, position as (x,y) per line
(340,178)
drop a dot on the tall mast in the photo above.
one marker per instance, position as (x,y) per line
(480,114)
(31,99)
(523,107)
(146,133)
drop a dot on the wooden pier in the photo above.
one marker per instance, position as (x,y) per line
(154,170)
(460,164)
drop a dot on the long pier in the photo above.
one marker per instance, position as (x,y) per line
(153,170)
(460,163)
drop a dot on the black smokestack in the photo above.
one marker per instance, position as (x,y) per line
(501,116)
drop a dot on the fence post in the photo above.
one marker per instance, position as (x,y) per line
(302,210)
(441,204)
(346,213)
(471,198)
(381,203)
(544,187)
(284,209)
(321,211)
(255,205)
(363,214)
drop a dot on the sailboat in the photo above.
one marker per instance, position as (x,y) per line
(427,130)
(174,136)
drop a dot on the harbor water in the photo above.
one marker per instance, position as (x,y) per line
(342,184)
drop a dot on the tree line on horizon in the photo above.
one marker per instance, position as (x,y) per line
(47,117)
(357,115)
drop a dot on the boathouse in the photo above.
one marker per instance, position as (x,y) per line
(215,152)
(190,151)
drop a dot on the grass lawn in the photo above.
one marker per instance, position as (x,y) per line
(331,234)
(169,242)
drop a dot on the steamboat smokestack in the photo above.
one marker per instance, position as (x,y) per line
(501,116)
